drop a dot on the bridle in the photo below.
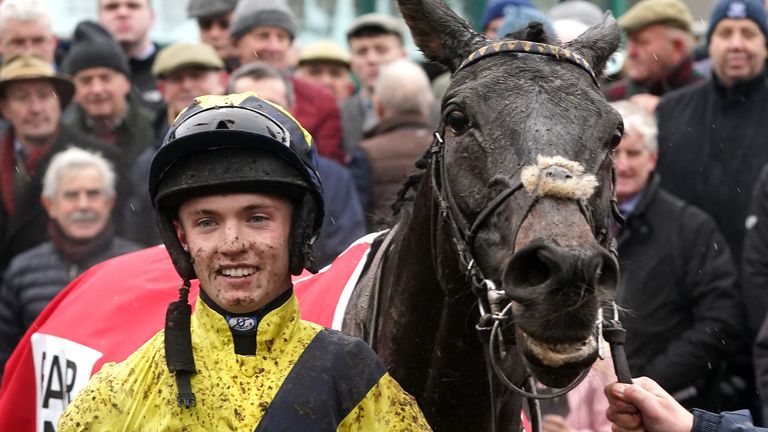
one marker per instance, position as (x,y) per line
(493,303)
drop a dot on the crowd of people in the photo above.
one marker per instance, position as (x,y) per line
(82,120)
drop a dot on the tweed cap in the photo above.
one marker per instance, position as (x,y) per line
(385,23)
(324,50)
(250,14)
(28,67)
(207,8)
(673,13)
(183,54)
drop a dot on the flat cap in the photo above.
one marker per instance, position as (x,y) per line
(324,50)
(673,13)
(183,54)
(207,8)
(385,23)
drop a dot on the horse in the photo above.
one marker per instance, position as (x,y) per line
(511,216)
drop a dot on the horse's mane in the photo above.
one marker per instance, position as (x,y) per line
(534,32)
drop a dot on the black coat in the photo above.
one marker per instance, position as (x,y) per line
(28,225)
(712,146)
(678,286)
(754,261)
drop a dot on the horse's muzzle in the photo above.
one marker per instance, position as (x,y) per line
(543,268)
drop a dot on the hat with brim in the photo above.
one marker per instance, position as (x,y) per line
(27,68)
(324,51)
(186,54)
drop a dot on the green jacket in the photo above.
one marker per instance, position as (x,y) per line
(302,378)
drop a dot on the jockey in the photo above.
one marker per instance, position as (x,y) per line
(238,203)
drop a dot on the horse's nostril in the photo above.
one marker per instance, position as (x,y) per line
(607,274)
(529,267)
(540,267)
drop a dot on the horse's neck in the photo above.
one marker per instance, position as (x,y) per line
(427,339)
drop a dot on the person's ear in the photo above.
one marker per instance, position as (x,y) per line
(48,206)
(181,235)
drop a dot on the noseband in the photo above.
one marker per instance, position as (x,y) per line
(493,303)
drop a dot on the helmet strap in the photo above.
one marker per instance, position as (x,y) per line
(178,346)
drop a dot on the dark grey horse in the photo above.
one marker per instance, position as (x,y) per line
(516,194)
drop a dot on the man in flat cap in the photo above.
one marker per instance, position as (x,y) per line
(184,71)
(213,19)
(374,39)
(659,44)
(326,63)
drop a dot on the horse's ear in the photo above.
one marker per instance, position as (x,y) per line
(442,36)
(598,42)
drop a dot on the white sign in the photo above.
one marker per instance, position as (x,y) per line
(62,368)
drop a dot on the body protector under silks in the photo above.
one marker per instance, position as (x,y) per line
(230,144)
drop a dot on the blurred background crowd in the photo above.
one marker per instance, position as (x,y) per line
(88,89)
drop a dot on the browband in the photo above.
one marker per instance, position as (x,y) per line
(527,47)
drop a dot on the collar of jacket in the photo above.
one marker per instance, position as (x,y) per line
(740,91)
(680,76)
(399,122)
(274,329)
(636,219)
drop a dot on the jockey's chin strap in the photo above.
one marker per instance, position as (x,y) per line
(491,300)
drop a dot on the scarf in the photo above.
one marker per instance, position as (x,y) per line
(75,250)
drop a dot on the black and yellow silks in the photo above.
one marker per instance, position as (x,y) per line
(302,378)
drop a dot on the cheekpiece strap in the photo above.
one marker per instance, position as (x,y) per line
(527,47)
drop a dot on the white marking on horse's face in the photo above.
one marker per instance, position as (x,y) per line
(558,177)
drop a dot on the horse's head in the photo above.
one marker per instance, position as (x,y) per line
(530,125)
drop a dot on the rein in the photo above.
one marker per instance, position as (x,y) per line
(491,300)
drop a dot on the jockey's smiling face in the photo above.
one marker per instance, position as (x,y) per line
(239,244)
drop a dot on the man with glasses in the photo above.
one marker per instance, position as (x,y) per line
(213,18)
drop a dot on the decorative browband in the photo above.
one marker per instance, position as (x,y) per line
(527,47)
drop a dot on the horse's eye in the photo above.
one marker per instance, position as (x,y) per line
(616,138)
(457,121)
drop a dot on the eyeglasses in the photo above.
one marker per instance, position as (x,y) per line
(206,23)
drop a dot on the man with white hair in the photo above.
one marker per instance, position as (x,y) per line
(678,294)
(25,28)
(402,99)
(78,195)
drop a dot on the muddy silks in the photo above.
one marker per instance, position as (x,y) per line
(303,377)
(88,325)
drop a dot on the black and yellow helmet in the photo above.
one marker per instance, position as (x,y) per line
(237,143)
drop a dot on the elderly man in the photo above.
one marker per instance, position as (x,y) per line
(129,22)
(241,219)
(344,221)
(25,28)
(659,45)
(213,19)
(374,40)
(264,30)
(184,71)
(78,195)
(103,107)
(678,280)
(31,99)
(326,63)
(402,99)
